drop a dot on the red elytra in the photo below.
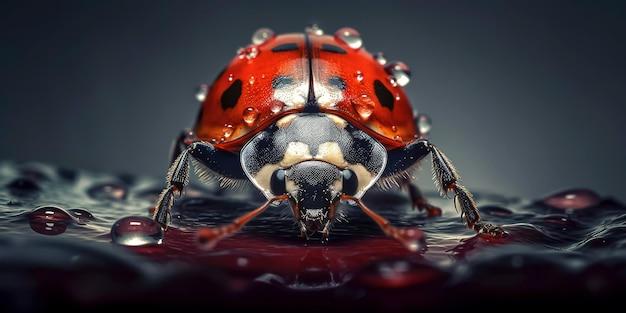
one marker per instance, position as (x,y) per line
(345,81)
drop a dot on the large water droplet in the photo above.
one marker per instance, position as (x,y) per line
(250,115)
(49,220)
(350,37)
(201,92)
(572,199)
(23,186)
(495,211)
(136,231)
(400,72)
(108,191)
(424,124)
(50,213)
(364,107)
(262,35)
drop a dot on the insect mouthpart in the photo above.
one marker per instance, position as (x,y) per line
(313,194)
(315,220)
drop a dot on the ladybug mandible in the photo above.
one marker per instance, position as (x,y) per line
(314,120)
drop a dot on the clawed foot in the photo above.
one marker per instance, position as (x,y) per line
(490,229)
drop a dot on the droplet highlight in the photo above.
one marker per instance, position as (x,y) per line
(350,37)
(49,220)
(400,72)
(359,76)
(136,231)
(227,130)
(380,58)
(262,35)
(315,30)
(572,199)
(250,115)
(108,191)
(201,92)
(364,107)
(424,124)
(276,106)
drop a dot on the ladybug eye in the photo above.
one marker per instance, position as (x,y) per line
(277,182)
(350,182)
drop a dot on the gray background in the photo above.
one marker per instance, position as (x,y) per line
(526,97)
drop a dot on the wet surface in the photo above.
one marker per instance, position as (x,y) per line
(71,239)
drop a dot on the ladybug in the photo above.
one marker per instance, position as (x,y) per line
(314,120)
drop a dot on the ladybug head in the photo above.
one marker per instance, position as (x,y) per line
(312,160)
(314,189)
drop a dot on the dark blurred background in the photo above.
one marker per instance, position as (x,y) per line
(526,97)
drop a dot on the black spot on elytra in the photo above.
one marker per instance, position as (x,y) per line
(333,49)
(285,47)
(281,81)
(385,97)
(337,82)
(230,97)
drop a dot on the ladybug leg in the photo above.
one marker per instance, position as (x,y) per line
(219,162)
(447,180)
(399,161)
(418,200)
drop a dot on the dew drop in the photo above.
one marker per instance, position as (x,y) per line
(276,106)
(23,186)
(230,77)
(423,124)
(251,52)
(412,238)
(251,80)
(314,30)
(136,231)
(35,171)
(359,76)
(241,53)
(262,35)
(364,107)
(50,213)
(380,58)
(397,138)
(394,128)
(190,137)
(227,130)
(495,211)
(572,199)
(350,37)
(81,215)
(49,220)
(250,115)
(108,191)
(201,92)
(400,72)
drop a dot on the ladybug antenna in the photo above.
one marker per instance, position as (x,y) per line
(209,236)
(411,237)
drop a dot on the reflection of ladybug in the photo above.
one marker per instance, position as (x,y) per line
(312,119)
